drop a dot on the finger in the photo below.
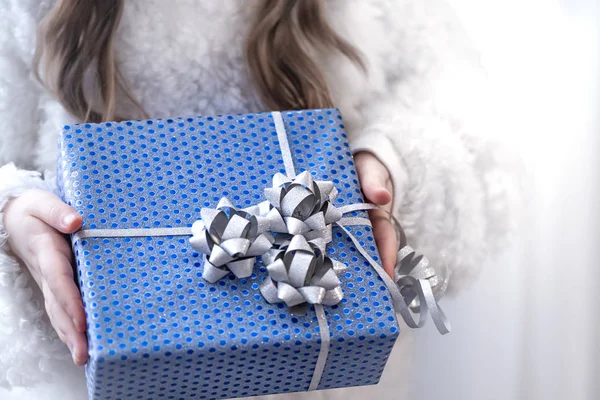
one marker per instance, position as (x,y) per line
(76,341)
(57,273)
(385,238)
(48,208)
(374,178)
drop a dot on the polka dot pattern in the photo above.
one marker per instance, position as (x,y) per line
(155,328)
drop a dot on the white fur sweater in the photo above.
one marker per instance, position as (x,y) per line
(420,109)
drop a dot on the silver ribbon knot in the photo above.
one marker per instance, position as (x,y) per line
(230,239)
(301,274)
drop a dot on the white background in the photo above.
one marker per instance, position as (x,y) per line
(528,328)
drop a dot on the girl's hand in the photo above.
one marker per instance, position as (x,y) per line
(36,223)
(377,187)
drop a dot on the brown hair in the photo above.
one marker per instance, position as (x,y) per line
(77,38)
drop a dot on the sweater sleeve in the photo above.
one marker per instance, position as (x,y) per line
(30,350)
(456,187)
(27,112)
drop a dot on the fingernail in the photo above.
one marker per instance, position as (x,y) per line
(69,218)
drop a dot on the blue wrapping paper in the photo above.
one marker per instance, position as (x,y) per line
(156,329)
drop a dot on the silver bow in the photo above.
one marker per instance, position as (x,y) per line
(230,239)
(305,205)
(300,274)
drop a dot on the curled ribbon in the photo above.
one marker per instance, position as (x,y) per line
(417,282)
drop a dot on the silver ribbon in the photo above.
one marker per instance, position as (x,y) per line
(230,240)
(416,288)
(407,291)
(129,232)
(300,214)
(324,350)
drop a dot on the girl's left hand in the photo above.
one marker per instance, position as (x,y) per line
(377,187)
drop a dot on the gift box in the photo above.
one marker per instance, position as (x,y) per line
(158,325)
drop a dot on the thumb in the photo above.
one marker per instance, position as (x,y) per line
(374,178)
(48,208)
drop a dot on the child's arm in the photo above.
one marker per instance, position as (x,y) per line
(27,116)
(455,189)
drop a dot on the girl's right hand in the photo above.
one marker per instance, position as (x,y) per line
(36,223)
